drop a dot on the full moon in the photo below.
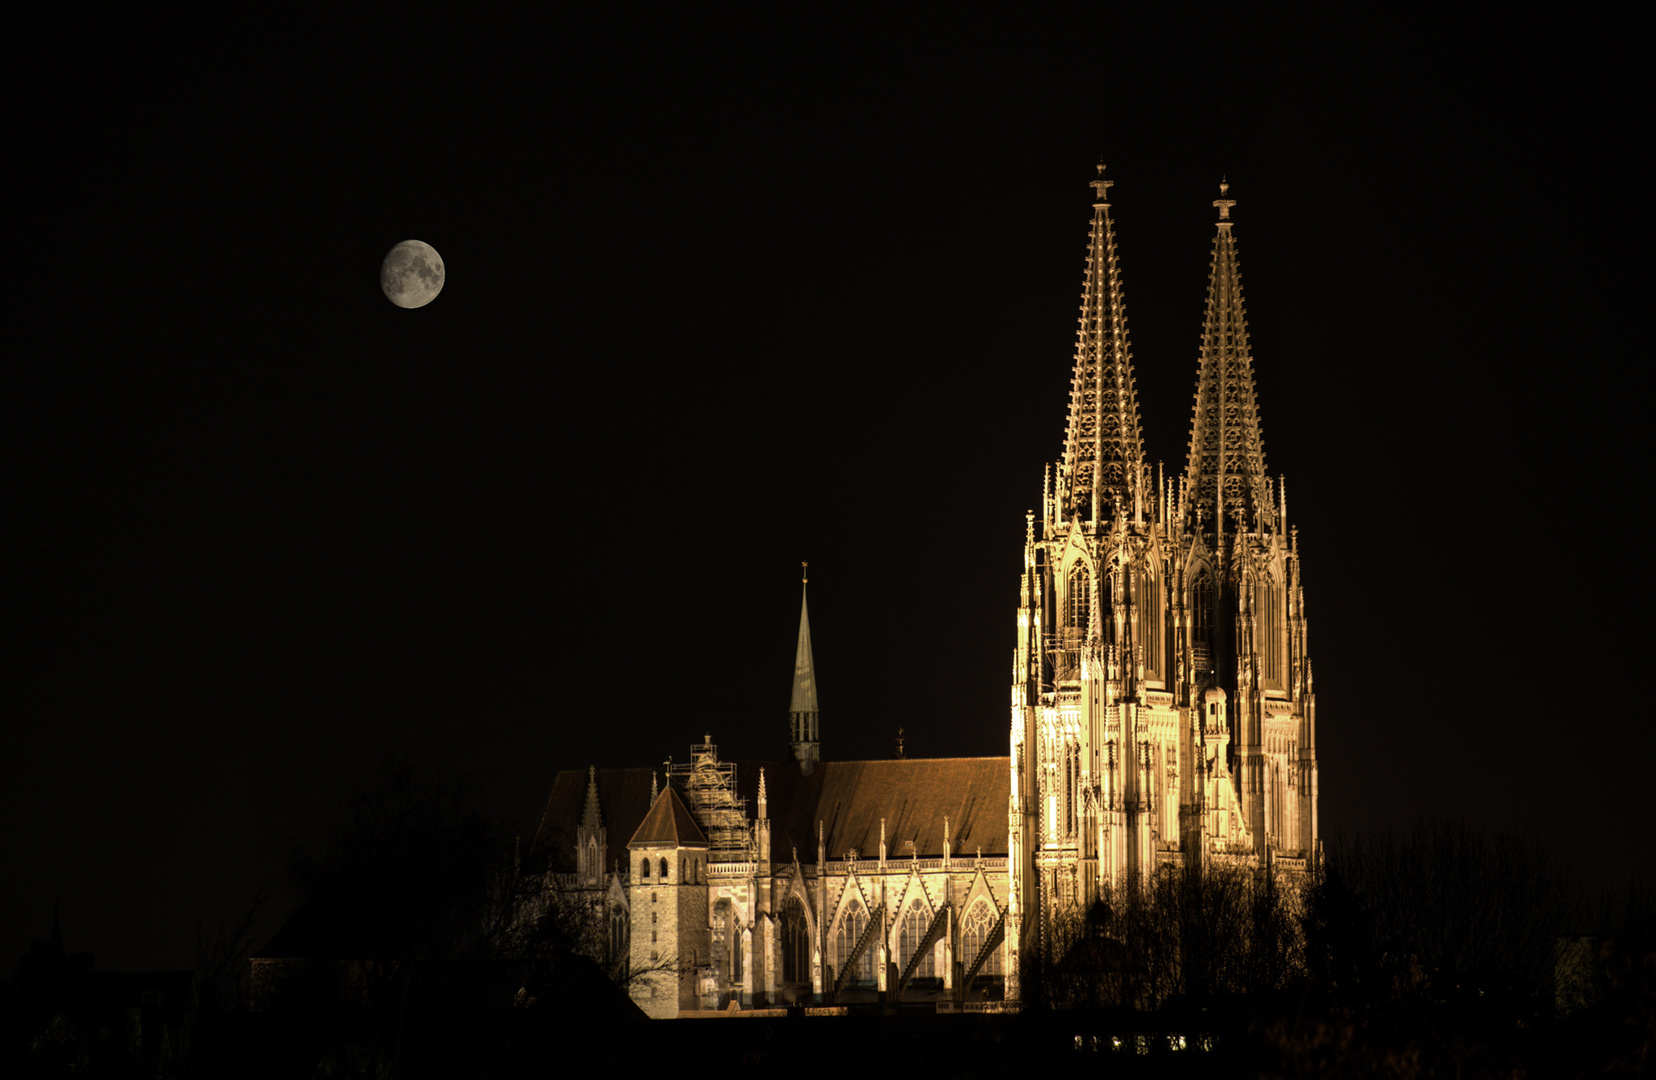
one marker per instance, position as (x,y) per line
(412,274)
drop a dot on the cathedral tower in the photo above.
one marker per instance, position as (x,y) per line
(1247,634)
(1161,704)
(1095,736)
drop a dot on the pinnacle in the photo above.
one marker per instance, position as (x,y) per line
(1103,446)
(1226,458)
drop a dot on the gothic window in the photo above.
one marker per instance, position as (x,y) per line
(644,868)
(617,933)
(1268,629)
(663,869)
(974,931)
(1201,623)
(796,943)
(727,942)
(912,931)
(851,927)
(1078,613)
(1072,777)
(1150,622)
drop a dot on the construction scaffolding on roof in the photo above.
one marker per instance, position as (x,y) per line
(708,787)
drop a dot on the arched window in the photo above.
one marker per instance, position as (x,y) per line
(618,933)
(1147,595)
(796,943)
(851,927)
(727,942)
(644,868)
(663,869)
(1201,624)
(1268,622)
(916,921)
(1078,611)
(974,931)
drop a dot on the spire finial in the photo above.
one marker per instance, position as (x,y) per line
(1223,203)
(804,573)
(1102,187)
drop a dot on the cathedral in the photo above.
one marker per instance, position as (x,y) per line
(1162,716)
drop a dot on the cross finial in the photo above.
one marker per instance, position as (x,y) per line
(1223,203)
(804,573)
(1102,186)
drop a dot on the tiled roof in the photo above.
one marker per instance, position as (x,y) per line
(913,795)
(850,797)
(669,822)
(623,800)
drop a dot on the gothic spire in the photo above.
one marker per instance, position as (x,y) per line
(591,818)
(1103,449)
(1225,465)
(802,712)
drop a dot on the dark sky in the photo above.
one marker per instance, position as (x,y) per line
(726,294)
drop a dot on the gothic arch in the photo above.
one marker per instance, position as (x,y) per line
(914,888)
(848,928)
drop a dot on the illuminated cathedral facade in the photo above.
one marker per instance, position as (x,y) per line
(1162,716)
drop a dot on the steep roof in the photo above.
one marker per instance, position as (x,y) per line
(1103,447)
(623,800)
(669,822)
(850,797)
(804,684)
(913,795)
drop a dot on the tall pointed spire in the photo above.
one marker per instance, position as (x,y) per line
(1225,465)
(591,817)
(1103,447)
(802,712)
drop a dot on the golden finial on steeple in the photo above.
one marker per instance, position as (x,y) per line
(804,573)
(1223,203)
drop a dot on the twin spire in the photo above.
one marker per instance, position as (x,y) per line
(1225,463)
(1103,466)
(1103,447)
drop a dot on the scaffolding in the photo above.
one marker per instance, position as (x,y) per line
(708,787)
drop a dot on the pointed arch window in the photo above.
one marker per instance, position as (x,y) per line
(974,931)
(1201,624)
(1078,607)
(912,932)
(1268,624)
(1148,597)
(796,943)
(852,924)
(727,942)
(619,932)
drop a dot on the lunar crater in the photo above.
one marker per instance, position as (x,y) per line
(412,274)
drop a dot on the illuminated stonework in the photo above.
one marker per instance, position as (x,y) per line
(1162,709)
(1162,715)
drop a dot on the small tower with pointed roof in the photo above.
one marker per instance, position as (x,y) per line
(591,841)
(802,711)
(671,943)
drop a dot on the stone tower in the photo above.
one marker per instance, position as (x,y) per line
(1247,630)
(670,937)
(1161,709)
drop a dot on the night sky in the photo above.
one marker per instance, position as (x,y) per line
(730,293)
